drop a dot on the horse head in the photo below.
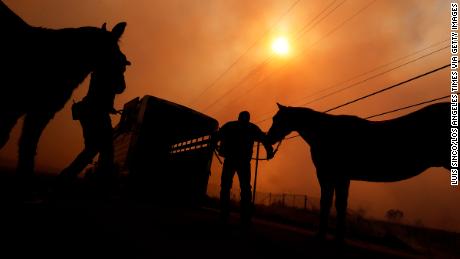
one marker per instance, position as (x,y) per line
(281,126)
(110,63)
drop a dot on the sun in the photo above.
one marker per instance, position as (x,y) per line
(280,46)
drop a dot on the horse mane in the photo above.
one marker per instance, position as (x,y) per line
(327,118)
(9,20)
(427,120)
(430,110)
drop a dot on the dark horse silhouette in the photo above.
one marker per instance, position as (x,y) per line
(41,68)
(345,148)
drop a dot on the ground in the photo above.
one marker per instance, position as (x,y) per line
(90,226)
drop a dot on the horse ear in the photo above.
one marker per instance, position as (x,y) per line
(104,26)
(119,29)
(280,106)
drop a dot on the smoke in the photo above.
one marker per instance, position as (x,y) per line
(178,48)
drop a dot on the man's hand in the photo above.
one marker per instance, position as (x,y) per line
(114,111)
(270,154)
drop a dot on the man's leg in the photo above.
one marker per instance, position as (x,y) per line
(106,163)
(244,176)
(86,156)
(81,161)
(226,182)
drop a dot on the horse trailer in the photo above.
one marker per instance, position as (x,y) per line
(164,150)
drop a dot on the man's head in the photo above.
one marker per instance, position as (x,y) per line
(244,117)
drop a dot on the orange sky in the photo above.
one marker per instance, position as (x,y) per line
(178,48)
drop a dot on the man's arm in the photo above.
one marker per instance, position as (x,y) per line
(262,137)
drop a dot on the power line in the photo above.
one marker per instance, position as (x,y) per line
(252,72)
(393,111)
(329,33)
(383,90)
(306,28)
(368,72)
(266,61)
(375,69)
(372,77)
(409,106)
(233,64)
(325,36)
(388,88)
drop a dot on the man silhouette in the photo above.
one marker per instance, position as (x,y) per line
(93,112)
(236,143)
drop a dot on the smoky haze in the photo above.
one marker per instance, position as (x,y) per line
(178,48)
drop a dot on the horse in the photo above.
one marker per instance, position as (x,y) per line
(42,67)
(345,148)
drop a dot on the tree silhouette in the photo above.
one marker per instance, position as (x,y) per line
(394,215)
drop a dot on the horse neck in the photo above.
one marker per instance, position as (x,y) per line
(78,44)
(309,123)
(12,20)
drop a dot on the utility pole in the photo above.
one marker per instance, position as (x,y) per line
(255,174)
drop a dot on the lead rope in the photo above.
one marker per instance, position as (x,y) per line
(255,175)
(217,156)
(274,151)
(253,158)
(257,167)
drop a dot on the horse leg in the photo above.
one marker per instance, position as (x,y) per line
(7,122)
(327,193)
(34,124)
(341,203)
